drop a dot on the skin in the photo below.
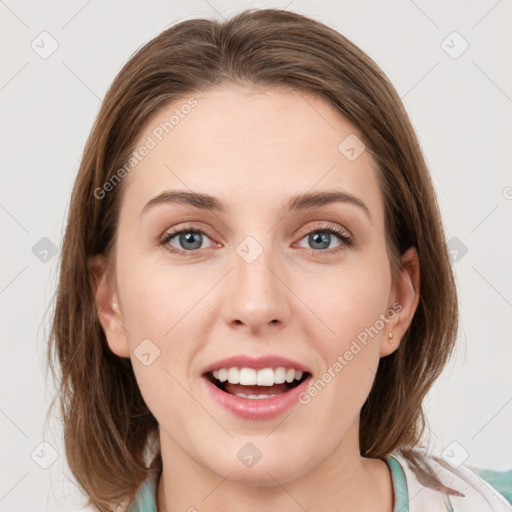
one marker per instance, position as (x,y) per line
(253,149)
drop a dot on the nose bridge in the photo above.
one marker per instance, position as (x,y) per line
(256,296)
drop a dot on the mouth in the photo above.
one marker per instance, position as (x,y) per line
(256,388)
(252,385)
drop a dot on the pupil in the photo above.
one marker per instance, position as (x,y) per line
(189,237)
(323,238)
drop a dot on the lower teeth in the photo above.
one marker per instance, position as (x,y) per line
(254,397)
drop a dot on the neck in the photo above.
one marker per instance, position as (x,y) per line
(342,481)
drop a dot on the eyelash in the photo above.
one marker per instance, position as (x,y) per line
(346,241)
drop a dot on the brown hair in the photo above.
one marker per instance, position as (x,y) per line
(107,425)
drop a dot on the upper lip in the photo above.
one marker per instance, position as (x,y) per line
(258,363)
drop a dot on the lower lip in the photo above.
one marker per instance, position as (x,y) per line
(257,408)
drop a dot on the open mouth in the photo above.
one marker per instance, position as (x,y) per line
(255,392)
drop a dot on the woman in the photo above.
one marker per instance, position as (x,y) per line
(255,294)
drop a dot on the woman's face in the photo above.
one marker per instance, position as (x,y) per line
(260,276)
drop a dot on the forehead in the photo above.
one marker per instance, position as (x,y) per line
(251,147)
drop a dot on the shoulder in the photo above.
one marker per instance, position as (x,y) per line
(461,487)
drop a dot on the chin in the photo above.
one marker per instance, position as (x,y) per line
(272,467)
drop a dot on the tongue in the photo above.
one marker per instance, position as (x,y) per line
(276,389)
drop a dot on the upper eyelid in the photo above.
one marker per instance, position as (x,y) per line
(189,226)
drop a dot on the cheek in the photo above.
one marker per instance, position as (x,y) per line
(157,314)
(164,391)
(160,311)
(157,299)
(348,299)
(350,302)
(351,314)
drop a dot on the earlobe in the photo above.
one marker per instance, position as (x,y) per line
(406,295)
(107,307)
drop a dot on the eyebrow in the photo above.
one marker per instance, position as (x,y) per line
(305,201)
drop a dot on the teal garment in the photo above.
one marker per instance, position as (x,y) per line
(500,480)
(399,485)
(145,501)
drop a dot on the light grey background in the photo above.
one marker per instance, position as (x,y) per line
(459,106)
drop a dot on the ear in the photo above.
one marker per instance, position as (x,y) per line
(107,306)
(405,297)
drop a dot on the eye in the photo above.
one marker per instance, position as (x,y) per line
(190,240)
(321,238)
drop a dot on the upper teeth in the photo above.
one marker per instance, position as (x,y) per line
(252,377)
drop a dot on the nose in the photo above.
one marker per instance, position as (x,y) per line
(255,296)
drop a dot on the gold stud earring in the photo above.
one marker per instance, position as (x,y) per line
(390,339)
